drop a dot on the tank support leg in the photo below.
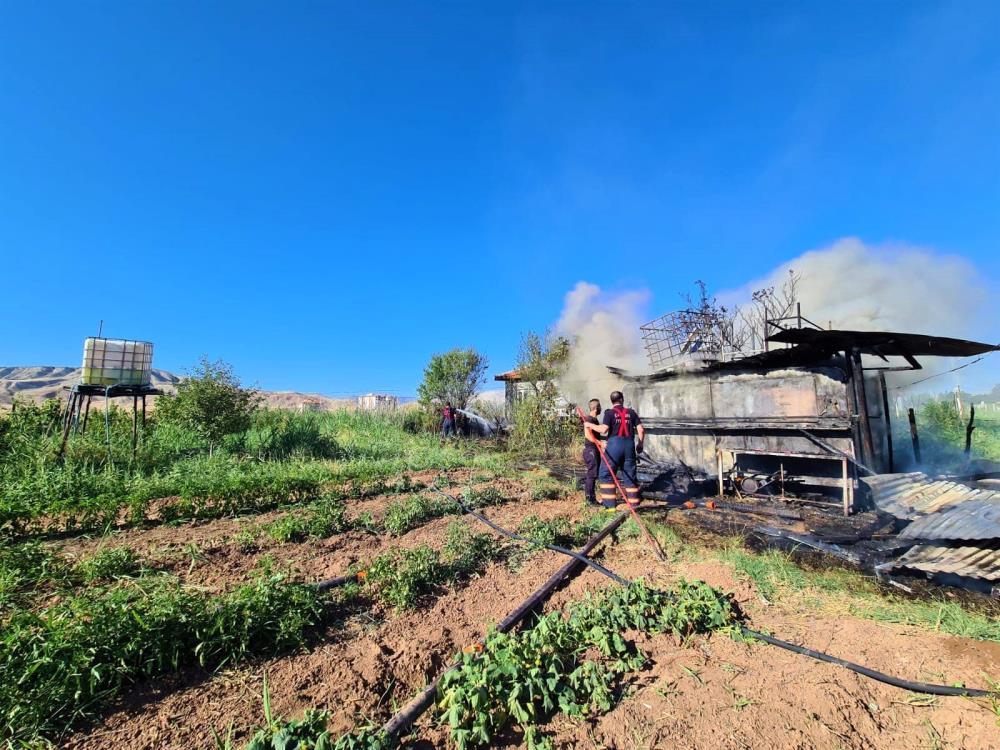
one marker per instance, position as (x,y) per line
(135,425)
(67,420)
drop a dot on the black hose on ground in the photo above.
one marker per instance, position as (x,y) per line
(406,715)
(916,687)
(517,537)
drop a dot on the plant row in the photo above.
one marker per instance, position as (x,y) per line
(61,665)
(328,516)
(280,458)
(57,498)
(575,665)
(29,570)
(524,678)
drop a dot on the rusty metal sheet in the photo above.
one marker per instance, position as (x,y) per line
(972,562)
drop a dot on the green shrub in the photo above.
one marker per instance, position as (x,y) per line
(401,576)
(547,488)
(211,402)
(483,497)
(27,568)
(276,435)
(308,733)
(421,420)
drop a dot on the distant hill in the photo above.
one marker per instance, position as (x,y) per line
(40,383)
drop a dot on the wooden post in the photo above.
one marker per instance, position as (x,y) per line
(852,404)
(914,438)
(848,494)
(718,460)
(969,428)
(888,421)
(861,400)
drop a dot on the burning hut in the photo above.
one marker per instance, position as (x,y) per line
(797,408)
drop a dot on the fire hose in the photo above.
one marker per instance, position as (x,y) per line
(614,476)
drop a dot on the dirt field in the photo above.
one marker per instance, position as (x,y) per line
(711,693)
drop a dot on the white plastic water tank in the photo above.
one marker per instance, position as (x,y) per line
(117,362)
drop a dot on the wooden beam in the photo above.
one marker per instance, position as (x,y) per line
(888,422)
(969,428)
(861,400)
(914,438)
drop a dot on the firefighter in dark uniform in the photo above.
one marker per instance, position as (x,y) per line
(621,426)
(590,455)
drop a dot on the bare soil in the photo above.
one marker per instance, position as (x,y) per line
(712,693)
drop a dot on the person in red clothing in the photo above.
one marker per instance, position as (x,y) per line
(448,421)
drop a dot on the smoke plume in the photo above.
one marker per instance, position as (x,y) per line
(848,284)
(888,287)
(604,329)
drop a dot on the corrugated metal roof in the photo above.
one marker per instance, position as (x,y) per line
(972,562)
(977,517)
(914,494)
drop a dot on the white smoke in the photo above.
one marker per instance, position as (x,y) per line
(604,330)
(888,287)
(848,284)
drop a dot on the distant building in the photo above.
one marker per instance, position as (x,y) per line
(312,404)
(516,389)
(378,402)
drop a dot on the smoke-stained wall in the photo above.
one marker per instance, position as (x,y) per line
(688,418)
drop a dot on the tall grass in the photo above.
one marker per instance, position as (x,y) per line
(283,457)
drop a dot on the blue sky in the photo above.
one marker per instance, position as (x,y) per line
(325,194)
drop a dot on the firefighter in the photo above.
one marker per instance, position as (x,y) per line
(448,421)
(621,427)
(590,455)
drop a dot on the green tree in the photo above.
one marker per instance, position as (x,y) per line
(541,360)
(540,426)
(211,401)
(454,376)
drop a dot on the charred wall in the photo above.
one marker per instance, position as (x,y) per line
(690,416)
